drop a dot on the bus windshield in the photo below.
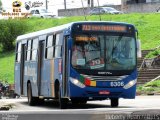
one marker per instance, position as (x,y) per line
(103,52)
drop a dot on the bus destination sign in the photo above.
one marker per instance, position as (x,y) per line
(104,28)
(85,38)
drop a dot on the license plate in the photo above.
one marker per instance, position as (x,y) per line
(104,92)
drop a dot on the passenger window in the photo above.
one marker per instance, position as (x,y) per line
(50,41)
(34,49)
(29,45)
(32,12)
(18,52)
(49,47)
(58,50)
(50,53)
(35,43)
(19,47)
(59,39)
(58,46)
(28,50)
(37,12)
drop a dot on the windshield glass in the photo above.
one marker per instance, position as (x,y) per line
(102,52)
(110,9)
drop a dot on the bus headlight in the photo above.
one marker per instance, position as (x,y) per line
(77,82)
(130,84)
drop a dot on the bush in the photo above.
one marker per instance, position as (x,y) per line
(153,54)
(9,30)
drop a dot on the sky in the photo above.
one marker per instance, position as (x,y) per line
(54,5)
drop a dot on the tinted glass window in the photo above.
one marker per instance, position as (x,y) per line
(29,45)
(29,50)
(34,49)
(50,41)
(18,52)
(35,43)
(58,52)
(50,53)
(49,47)
(104,52)
(59,39)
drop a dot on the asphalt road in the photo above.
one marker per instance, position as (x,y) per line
(141,108)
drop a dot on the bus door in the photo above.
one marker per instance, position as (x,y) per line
(65,72)
(23,54)
(40,65)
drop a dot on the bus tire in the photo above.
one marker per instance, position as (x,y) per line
(40,101)
(114,102)
(76,101)
(62,101)
(31,99)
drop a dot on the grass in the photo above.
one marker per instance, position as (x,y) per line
(7,66)
(147,25)
(149,88)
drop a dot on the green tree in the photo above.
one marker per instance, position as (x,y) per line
(9,30)
(0,4)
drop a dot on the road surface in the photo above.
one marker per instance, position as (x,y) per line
(143,107)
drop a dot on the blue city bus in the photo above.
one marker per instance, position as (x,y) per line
(78,62)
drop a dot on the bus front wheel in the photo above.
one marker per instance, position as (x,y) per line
(76,101)
(114,102)
(31,99)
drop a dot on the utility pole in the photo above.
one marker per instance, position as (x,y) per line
(92,3)
(89,3)
(65,5)
(46,4)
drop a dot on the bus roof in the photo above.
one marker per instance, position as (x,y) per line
(60,28)
(43,32)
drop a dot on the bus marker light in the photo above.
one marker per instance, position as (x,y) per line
(93,83)
(104,92)
(82,79)
(87,82)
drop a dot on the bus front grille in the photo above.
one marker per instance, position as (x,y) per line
(106,78)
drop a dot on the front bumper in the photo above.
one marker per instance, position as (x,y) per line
(87,92)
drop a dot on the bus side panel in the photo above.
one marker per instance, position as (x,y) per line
(17,78)
(30,74)
(46,78)
(49,76)
(57,74)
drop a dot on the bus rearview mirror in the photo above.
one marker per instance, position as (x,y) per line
(139,53)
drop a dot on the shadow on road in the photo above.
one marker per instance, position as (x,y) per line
(51,104)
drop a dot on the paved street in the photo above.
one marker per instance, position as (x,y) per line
(142,105)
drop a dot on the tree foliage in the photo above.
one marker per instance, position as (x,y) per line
(0,4)
(9,30)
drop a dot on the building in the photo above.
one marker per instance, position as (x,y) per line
(140,6)
(126,2)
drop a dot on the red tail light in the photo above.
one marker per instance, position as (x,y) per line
(60,66)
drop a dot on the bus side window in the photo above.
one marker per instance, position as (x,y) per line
(49,47)
(28,55)
(34,49)
(18,52)
(58,45)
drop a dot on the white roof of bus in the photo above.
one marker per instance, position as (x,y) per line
(56,29)
(43,32)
